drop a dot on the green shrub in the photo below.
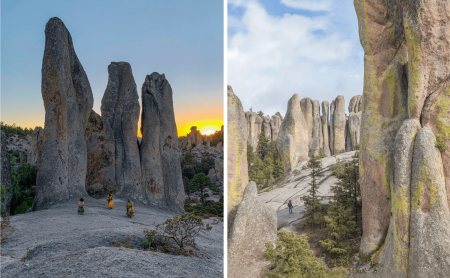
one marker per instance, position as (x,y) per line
(24,181)
(181,230)
(292,258)
(212,208)
(440,144)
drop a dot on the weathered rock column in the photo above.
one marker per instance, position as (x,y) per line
(120,116)
(316,142)
(306,105)
(237,135)
(267,129)
(325,129)
(275,124)
(162,182)
(295,125)
(339,122)
(68,103)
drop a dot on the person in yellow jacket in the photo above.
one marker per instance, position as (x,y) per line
(130,208)
(110,200)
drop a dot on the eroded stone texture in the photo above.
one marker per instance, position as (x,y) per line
(306,105)
(353,131)
(101,169)
(325,129)
(254,225)
(120,115)
(267,129)
(6,179)
(331,127)
(316,142)
(162,183)
(275,124)
(385,107)
(68,103)
(237,134)
(354,104)
(339,122)
(293,124)
(36,143)
(254,125)
(430,218)
(393,257)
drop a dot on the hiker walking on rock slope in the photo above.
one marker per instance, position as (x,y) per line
(290,206)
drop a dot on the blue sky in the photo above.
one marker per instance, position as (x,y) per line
(183,39)
(277,48)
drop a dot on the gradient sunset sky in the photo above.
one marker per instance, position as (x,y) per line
(182,39)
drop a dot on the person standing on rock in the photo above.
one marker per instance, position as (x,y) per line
(110,200)
(81,207)
(130,208)
(290,206)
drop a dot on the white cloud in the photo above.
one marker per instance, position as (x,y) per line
(311,5)
(270,58)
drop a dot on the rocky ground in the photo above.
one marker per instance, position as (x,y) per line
(296,185)
(57,242)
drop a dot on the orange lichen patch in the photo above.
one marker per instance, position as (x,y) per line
(377,254)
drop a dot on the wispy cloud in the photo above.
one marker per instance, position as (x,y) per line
(272,57)
(310,5)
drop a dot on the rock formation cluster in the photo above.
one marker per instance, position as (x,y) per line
(405,137)
(304,132)
(80,152)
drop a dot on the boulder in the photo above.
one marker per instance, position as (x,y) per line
(36,143)
(68,103)
(162,183)
(295,125)
(120,115)
(325,129)
(101,169)
(254,225)
(237,134)
(275,124)
(6,179)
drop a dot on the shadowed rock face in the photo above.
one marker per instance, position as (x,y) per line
(237,150)
(295,125)
(275,124)
(120,116)
(5,173)
(68,103)
(325,128)
(316,142)
(37,140)
(254,126)
(101,168)
(267,129)
(254,225)
(162,183)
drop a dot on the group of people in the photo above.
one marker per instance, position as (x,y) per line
(110,205)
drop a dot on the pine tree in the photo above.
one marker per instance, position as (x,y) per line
(292,258)
(311,201)
(340,229)
(200,182)
(347,191)
(263,145)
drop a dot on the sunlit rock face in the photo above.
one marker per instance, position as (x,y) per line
(162,183)
(68,103)
(406,78)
